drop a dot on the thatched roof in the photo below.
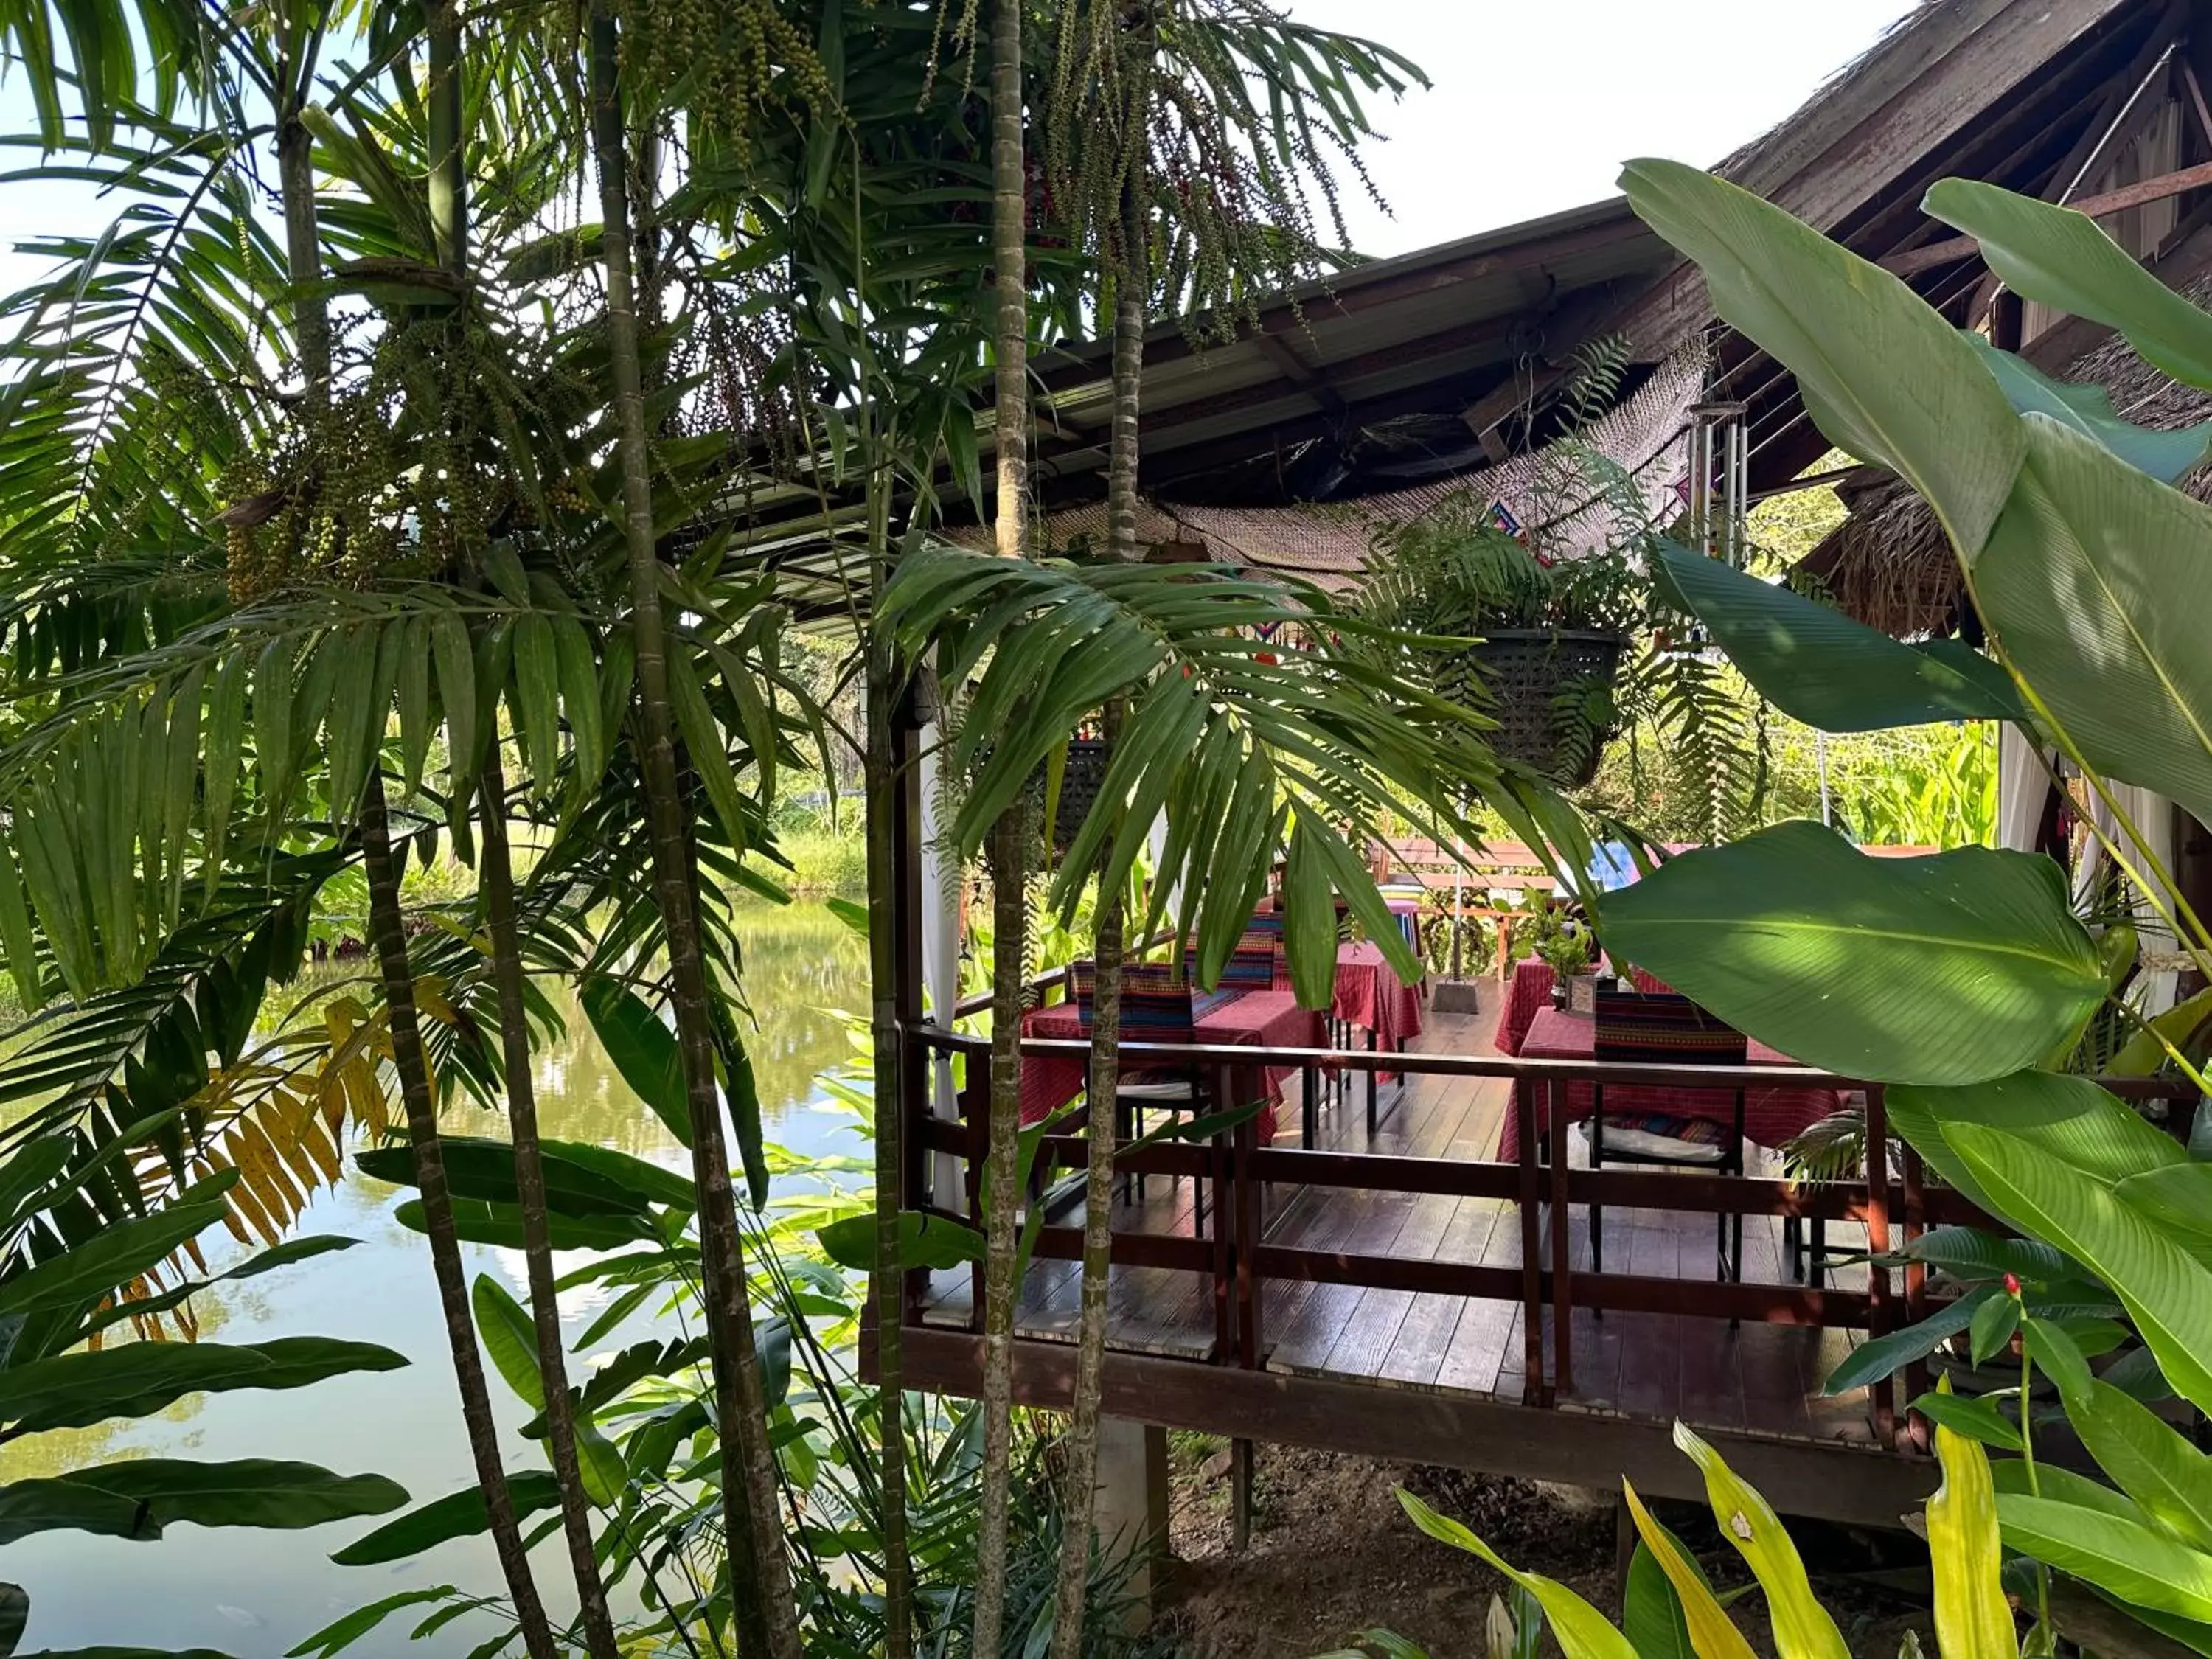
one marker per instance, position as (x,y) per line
(1326,542)
(1890,565)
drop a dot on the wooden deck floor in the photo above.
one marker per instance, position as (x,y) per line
(1756,1378)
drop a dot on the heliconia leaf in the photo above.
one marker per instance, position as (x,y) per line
(924,1241)
(74,1390)
(2167,1291)
(2141,1567)
(119,1254)
(342,1633)
(1972,1619)
(458,1515)
(413,691)
(1869,968)
(1883,376)
(1802,1627)
(476,1221)
(509,1337)
(156,1491)
(1579,1628)
(2147,1458)
(2088,579)
(643,1049)
(457,688)
(482,1169)
(2086,408)
(535,693)
(2059,257)
(1969,1419)
(1680,1616)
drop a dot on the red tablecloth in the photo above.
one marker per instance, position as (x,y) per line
(1770,1117)
(1529,991)
(1260,1019)
(1369,995)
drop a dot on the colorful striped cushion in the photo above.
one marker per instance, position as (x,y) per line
(1667,1029)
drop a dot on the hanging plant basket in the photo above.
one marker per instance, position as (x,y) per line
(1542,686)
(1079,786)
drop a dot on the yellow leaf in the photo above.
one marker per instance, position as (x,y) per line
(1712,1632)
(1972,1619)
(1802,1628)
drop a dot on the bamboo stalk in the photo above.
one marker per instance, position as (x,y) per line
(498,876)
(767,1616)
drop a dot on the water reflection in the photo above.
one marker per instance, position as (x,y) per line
(255,1594)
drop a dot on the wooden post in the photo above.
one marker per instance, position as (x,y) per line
(1563,1369)
(1879,1314)
(1532,1387)
(915,1064)
(1245,1195)
(1243,1455)
(1225,1288)
(1916,1285)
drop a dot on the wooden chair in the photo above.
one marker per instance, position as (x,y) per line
(1159,1003)
(1666,1030)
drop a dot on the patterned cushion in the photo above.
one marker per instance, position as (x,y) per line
(1659,1134)
(1663,1030)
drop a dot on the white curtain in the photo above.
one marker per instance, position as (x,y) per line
(2152,816)
(940,965)
(2021,781)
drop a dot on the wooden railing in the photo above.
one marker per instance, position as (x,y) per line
(1240,1261)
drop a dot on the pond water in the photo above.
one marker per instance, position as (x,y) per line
(256,1594)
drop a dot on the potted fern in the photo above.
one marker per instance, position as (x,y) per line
(1547,633)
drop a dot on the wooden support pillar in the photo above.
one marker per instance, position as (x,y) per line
(1132,1510)
(1242,1455)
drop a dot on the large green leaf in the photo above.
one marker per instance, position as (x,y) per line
(1818,665)
(2057,257)
(510,1338)
(1952,969)
(2088,408)
(118,1255)
(924,1241)
(1884,1355)
(643,1050)
(2178,1198)
(2167,1292)
(484,1169)
(2069,1117)
(2139,1564)
(73,1390)
(138,1497)
(1669,1610)
(457,1514)
(2091,583)
(478,1222)
(2147,1458)
(1883,376)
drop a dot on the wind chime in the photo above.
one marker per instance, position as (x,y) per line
(1715,490)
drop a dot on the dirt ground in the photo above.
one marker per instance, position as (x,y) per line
(1331,1556)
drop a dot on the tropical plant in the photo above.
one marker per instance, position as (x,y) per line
(1958,979)
(72,1282)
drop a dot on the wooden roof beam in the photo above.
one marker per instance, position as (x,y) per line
(2097,207)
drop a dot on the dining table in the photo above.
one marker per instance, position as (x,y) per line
(1368,996)
(1771,1115)
(1255,1019)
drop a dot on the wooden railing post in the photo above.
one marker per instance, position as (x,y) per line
(1562,1367)
(1246,1189)
(1225,1265)
(1916,1277)
(1880,1317)
(1533,1388)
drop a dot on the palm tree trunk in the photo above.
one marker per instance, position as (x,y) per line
(1002,1199)
(889,1282)
(498,873)
(389,934)
(767,1618)
(312,326)
(1009,841)
(1106,1012)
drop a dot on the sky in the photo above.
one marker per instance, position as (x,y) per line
(1534,104)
